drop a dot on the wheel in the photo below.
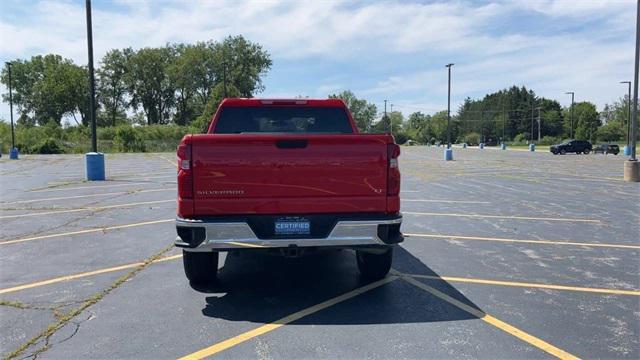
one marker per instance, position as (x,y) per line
(586,151)
(374,266)
(616,152)
(200,267)
(563,151)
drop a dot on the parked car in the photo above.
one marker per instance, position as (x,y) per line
(571,146)
(606,149)
(287,176)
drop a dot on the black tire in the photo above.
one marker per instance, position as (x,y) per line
(586,151)
(563,151)
(374,266)
(200,267)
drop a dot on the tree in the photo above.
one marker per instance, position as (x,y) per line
(243,63)
(46,88)
(363,112)
(111,87)
(586,120)
(417,127)
(183,75)
(612,131)
(149,85)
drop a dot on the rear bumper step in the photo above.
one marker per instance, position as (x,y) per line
(220,234)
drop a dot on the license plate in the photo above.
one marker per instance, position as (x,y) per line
(292,227)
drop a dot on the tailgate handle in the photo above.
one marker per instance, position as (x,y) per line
(291,144)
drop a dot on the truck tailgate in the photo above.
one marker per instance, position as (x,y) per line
(289,174)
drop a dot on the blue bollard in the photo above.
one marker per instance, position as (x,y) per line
(94,166)
(627,150)
(448,154)
(532,147)
(503,146)
(13,154)
(464,145)
(481,145)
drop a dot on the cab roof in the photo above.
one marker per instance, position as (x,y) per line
(254,102)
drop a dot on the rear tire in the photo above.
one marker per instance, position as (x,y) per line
(200,267)
(374,266)
(586,151)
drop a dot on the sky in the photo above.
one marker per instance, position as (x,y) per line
(393,50)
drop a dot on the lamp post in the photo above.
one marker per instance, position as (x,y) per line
(448,66)
(628,113)
(572,99)
(632,166)
(13,152)
(391,122)
(94,160)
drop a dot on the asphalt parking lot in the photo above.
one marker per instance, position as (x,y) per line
(509,254)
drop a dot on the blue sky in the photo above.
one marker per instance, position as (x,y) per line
(392,50)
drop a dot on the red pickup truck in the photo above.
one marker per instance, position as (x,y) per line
(287,176)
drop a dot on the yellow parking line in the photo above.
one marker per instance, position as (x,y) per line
(169,161)
(509,329)
(81,275)
(540,242)
(87,231)
(527,285)
(97,208)
(231,342)
(482,216)
(446,201)
(85,187)
(86,196)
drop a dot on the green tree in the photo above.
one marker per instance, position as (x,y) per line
(612,131)
(586,121)
(111,87)
(46,88)
(362,111)
(243,64)
(149,84)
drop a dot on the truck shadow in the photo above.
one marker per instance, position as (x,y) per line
(260,288)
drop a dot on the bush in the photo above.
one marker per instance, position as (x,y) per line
(128,140)
(48,146)
(520,139)
(472,138)
(549,140)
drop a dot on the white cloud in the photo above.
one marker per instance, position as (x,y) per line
(402,45)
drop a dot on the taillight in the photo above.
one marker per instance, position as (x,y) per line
(185,172)
(393,173)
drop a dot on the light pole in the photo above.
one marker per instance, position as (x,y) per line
(632,166)
(391,122)
(448,66)
(13,149)
(572,99)
(94,160)
(539,121)
(628,110)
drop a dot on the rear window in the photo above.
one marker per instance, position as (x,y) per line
(297,120)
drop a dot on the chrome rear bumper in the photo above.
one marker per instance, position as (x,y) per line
(220,236)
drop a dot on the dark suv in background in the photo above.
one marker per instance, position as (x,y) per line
(571,146)
(607,149)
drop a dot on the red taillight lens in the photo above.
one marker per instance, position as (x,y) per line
(393,174)
(185,172)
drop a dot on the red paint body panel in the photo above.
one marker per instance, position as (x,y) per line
(236,174)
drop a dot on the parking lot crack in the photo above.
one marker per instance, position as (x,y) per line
(65,318)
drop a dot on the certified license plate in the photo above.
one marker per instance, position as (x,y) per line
(293,226)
